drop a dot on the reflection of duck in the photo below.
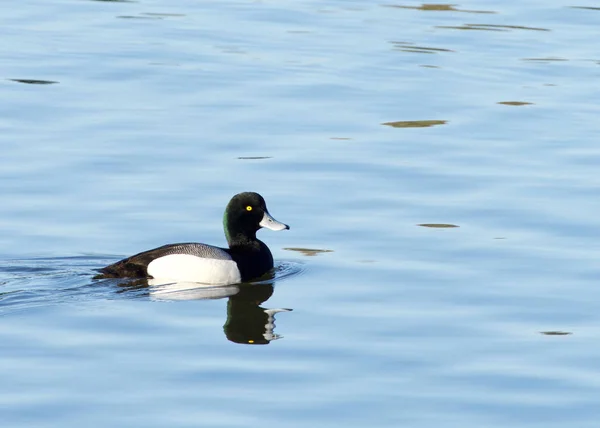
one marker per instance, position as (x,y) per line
(245,259)
(247,322)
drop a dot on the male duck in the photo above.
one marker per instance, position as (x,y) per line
(245,259)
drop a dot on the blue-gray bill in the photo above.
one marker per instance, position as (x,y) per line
(270,223)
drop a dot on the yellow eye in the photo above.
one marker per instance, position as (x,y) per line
(248,208)
(251,341)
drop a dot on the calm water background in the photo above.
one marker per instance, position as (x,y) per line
(127,125)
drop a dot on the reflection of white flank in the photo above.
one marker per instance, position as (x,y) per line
(163,290)
(188,268)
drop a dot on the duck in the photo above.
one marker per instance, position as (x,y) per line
(246,258)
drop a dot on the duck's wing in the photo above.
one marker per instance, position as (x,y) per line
(137,266)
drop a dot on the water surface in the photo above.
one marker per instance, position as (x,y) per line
(370,129)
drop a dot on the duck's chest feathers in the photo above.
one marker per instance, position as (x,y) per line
(252,260)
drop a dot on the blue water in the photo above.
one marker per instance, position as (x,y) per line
(126,125)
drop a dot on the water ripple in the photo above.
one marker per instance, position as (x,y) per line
(48,281)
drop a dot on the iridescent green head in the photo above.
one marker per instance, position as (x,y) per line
(245,214)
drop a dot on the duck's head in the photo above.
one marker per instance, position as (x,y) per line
(245,214)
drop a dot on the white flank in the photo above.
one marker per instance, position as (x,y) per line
(185,267)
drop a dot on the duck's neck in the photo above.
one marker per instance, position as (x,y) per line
(238,236)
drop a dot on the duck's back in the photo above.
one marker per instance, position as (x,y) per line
(179,262)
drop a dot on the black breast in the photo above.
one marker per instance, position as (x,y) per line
(253,261)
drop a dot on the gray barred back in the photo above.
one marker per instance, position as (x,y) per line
(193,249)
(136,266)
